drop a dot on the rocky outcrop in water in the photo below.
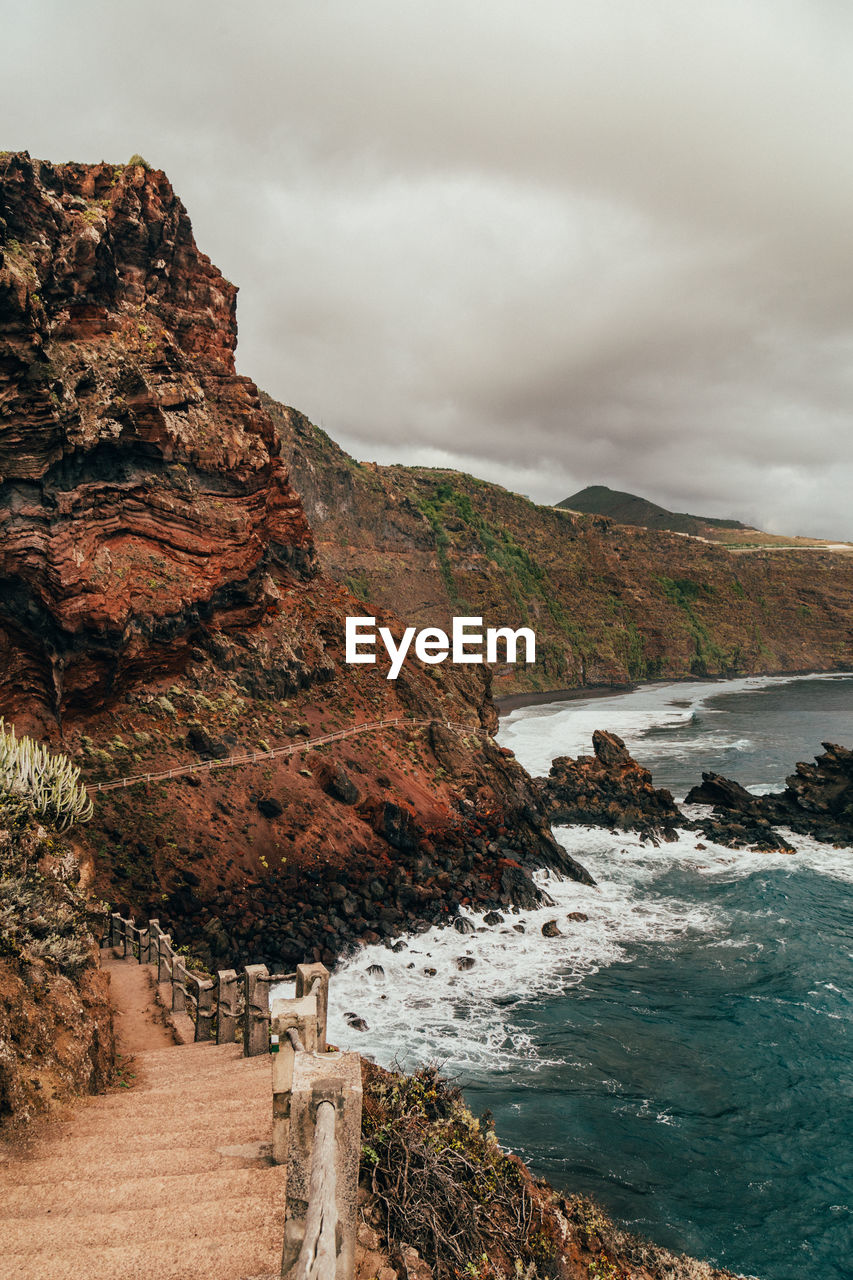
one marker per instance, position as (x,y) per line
(609,789)
(817,801)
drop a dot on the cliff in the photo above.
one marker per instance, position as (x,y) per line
(609,603)
(142,499)
(160,603)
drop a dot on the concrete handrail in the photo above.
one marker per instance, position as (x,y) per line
(317,1259)
(316,1132)
(293,748)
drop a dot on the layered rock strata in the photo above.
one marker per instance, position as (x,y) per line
(142,499)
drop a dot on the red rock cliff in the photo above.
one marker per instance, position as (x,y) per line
(141,496)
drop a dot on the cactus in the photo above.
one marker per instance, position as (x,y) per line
(50,781)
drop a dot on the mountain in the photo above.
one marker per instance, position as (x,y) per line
(628,508)
(161,603)
(610,603)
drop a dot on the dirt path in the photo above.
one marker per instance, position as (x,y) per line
(139,1021)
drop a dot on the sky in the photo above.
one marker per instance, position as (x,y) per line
(553,242)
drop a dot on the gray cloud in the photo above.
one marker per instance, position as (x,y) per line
(555,244)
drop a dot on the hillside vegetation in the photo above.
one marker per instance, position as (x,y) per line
(610,603)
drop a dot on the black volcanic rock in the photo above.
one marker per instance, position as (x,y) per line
(817,801)
(722,793)
(609,789)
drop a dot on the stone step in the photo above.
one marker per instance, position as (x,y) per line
(185,1216)
(124,1147)
(203,1068)
(200,1116)
(181,1161)
(72,1197)
(178,1257)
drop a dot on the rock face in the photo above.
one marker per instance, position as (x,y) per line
(160,604)
(609,603)
(142,497)
(817,800)
(609,789)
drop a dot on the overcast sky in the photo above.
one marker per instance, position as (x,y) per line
(550,242)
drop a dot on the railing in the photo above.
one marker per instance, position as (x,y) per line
(293,748)
(316,1132)
(316,1093)
(223,1008)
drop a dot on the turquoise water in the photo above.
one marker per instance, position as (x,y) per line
(685,1056)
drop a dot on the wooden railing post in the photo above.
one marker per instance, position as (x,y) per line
(179,985)
(204,1012)
(126,938)
(226,1007)
(305,977)
(144,945)
(256,1010)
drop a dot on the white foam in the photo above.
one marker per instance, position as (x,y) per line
(538,734)
(473,1021)
(478,1022)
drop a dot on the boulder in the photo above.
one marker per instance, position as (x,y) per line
(610,790)
(270,807)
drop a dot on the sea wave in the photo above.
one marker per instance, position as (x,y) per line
(537,734)
(422,1007)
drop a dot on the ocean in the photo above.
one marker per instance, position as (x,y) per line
(684,1054)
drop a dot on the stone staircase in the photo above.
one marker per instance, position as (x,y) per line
(170,1178)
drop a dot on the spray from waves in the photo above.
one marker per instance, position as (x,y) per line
(422,1007)
(642,717)
(661,748)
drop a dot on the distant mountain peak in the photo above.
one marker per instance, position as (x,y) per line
(629,508)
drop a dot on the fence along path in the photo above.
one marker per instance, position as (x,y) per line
(316,1091)
(292,749)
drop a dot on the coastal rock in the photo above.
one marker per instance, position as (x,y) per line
(209,748)
(550,929)
(609,789)
(817,801)
(336,782)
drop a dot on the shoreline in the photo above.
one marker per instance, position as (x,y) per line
(535,698)
(513,701)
